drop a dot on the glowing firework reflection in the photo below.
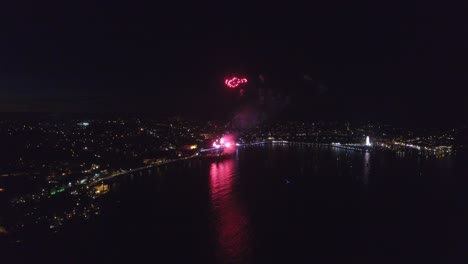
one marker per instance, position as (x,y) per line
(231,221)
(234,82)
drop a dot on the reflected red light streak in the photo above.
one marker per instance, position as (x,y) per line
(231,222)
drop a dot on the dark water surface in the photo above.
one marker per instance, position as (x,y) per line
(278,204)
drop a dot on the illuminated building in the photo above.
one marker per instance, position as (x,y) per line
(84,124)
(102,189)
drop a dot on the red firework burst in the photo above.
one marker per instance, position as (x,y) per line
(234,82)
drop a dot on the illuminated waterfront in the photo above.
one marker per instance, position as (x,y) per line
(272,203)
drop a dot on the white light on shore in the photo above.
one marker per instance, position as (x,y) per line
(368,141)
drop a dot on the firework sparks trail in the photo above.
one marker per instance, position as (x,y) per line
(227,142)
(234,82)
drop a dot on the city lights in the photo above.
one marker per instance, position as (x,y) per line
(85,174)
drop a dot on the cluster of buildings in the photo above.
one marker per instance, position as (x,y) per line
(55,163)
(437,141)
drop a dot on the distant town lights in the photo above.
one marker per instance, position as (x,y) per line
(85,124)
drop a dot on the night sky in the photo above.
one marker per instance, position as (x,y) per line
(401,60)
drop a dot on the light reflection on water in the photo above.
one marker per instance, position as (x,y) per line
(281,204)
(366,168)
(230,219)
